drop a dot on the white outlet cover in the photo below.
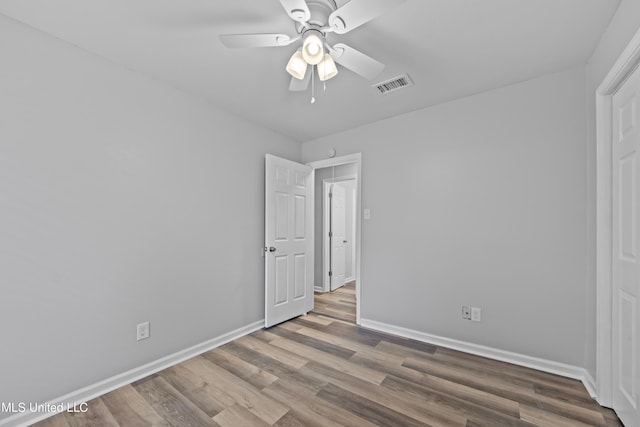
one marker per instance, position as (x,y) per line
(142,331)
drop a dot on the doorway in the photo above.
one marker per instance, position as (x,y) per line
(338,232)
(337,241)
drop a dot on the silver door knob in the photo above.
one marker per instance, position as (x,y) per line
(272,249)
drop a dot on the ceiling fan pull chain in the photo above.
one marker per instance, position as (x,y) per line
(313,84)
(324,72)
(324,83)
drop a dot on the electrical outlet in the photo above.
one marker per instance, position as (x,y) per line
(142,331)
(476,314)
(466,312)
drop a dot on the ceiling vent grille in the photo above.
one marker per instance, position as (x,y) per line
(394,84)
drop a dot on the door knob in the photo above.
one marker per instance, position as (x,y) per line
(272,249)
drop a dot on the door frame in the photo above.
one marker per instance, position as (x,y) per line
(628,61)
(326,218)
(357,160)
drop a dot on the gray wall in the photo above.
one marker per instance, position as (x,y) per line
(121,200)
(623,26)
(341,171)
(350,230)
(480,201)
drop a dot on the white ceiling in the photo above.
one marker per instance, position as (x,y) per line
(451,49)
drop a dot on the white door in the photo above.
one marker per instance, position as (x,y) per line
(338,235)
(288,240)
(626,255)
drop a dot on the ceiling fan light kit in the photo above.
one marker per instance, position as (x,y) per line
(312,50)
(297,66)
(314,20)
(327,68)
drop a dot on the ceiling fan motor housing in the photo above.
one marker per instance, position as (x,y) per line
(320,11)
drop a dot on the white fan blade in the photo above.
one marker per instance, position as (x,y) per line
(356,61)
(256,40)
(358,12)
(301,85)
(297,10)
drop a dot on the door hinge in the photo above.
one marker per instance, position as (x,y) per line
(330,234)
(330,195)
(330,273)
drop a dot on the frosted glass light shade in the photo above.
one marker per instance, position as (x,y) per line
(312,50)
(297,66)
(327,68)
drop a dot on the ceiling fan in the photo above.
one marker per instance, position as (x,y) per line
(314,20)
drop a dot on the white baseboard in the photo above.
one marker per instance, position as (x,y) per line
(320,288)
(539,364)
(98,389)
(589,384)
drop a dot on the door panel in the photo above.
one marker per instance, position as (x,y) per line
(627,207)
(301,211)
(282,217)
(626,262)
(288,240)
(627,304)
(300,273)
(281,279)
(338,228)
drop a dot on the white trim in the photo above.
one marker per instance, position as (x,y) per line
(621,70)
(590,384)
(353,238)
(336,161)
(105,386)
(326,226)
(537,363)
(357,159)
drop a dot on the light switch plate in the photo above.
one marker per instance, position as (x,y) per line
(367,214)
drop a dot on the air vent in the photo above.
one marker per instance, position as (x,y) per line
(394,84)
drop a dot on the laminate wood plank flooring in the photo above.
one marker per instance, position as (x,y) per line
(323,370)
(339,304)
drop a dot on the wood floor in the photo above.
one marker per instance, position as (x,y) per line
(323,370)
(339,304)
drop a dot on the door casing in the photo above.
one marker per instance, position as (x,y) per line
(628,61)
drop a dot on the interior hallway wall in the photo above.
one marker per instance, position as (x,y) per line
(350,229)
